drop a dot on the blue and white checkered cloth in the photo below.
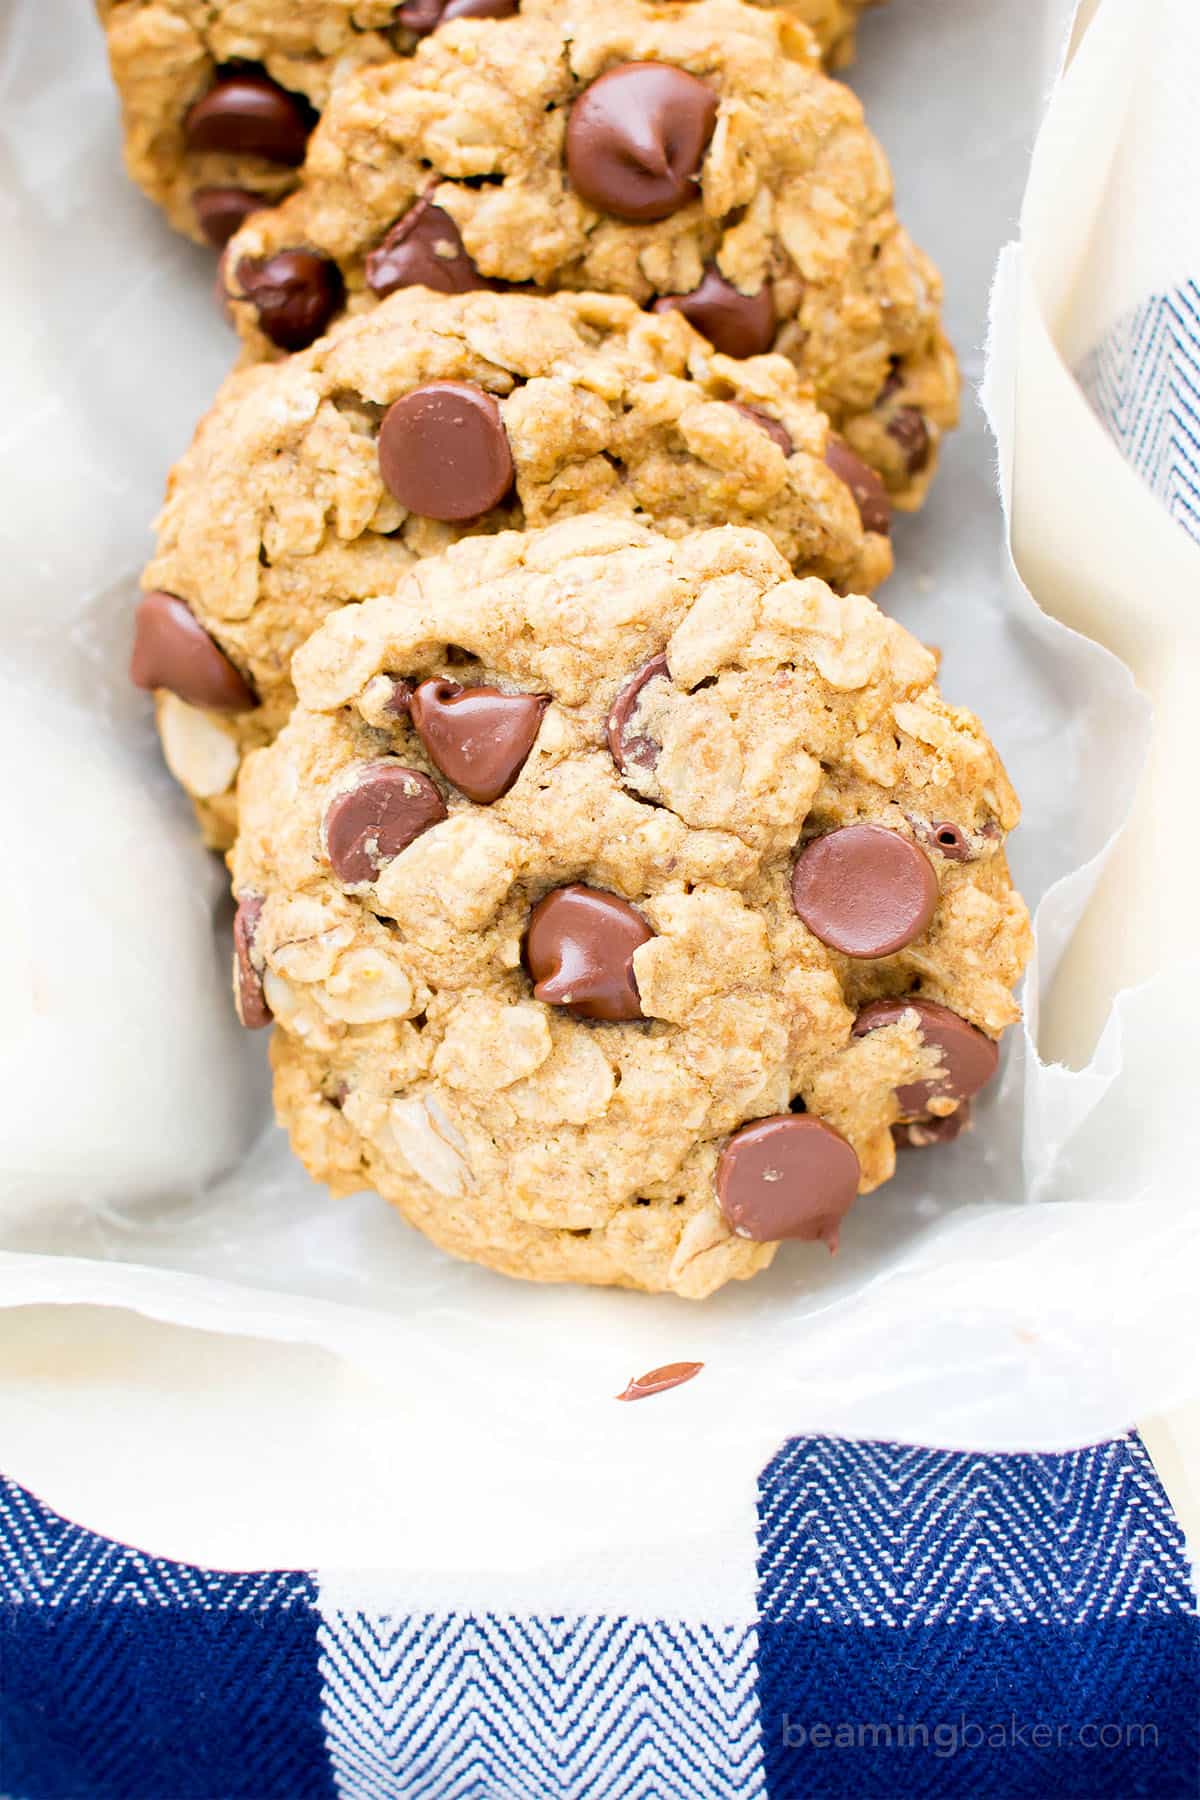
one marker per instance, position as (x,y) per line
(928,1623)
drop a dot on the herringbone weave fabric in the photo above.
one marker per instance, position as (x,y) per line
(1143,380)
(927,1624)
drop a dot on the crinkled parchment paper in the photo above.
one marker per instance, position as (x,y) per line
(1024,1286)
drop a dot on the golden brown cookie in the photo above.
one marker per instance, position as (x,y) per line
(615,896)
(318,480)
(689,155)
(218,97)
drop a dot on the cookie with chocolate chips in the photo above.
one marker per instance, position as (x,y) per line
(584,890)
(218,97)
(691,156)
(319,480)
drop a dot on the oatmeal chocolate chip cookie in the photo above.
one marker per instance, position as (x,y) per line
(691,156)
(318,480)
(219,96)
(591,890)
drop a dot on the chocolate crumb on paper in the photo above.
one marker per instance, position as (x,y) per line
(657,1381)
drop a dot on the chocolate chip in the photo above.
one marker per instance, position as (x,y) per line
(775,430)
(295,293)
(245,113)
(657,1381)
(423,249)
(870,495)
(924,1134)
(400,699)
(893,384)
(579,949)
(423,16)
(443,451)
(636,138)
(220,211)
(478,737)
(734,323)
(172,650)
(386,809)
(948,839)
(908,428)
(477,9)
(625,748)
(251,1002)
(864,890)
(789,1176)
(969,1058)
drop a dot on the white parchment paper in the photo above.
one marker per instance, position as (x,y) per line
(1028,1286)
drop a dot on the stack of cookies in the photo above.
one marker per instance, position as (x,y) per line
(621,889)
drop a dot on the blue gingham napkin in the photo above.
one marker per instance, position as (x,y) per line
(928,1623)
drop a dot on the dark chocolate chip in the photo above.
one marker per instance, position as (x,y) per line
(636,138)
(789,1176)
(629,748)
(400,699)
(295,293)
(737,324)
(423,249)
(864,890)
(870,495)
(893,384)
(423,16)
(924,1134)
(251,1002)
(172,650)
(774,428)
(909,429)
(386,809)
(657,1381)
(245,113)
(579,950)
(948,839)
(477,9)
(969,1058)
(477,737)
(443,451)
(220,211)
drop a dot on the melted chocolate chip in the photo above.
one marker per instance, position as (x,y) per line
(220,211)
(734,323)
(774,428)
(908,428)
(789,1176)
(636,138)
(865,891)
(245,113)
(388,807)
(870,495)
(423,249)
(251,1002)
(579,950)
(444,453)
(295,294)
(968,1058)
(477,737)
(657,1381)
(172,650)
(625,747)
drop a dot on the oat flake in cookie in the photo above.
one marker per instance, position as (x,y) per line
(218,97)
(692,156)
(522,871)
(320,479)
